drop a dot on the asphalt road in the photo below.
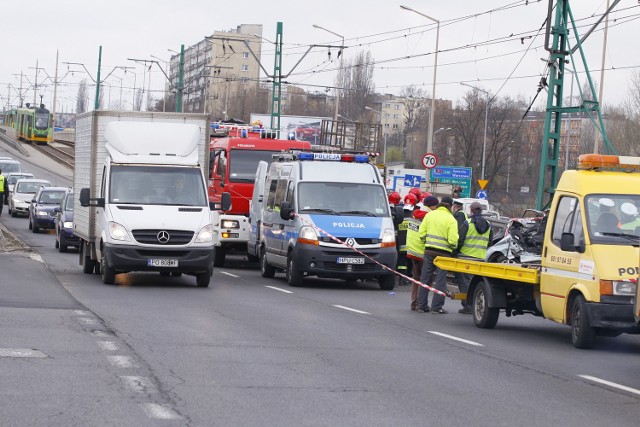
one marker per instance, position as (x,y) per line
(251,351)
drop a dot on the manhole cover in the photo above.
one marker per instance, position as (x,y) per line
(20,352)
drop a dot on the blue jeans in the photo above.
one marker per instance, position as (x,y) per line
(428,270)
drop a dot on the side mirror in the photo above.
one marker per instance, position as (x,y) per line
(226,201)
(286,211)
(33,200)
(84,197)
(566,242)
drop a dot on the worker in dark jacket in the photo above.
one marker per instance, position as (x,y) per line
(475,234)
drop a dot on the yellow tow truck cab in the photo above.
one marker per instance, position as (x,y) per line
(590,265)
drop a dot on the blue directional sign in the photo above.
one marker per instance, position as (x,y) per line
(481,194)
(451,172)
(412,180)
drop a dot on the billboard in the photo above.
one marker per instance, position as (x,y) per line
(307,128)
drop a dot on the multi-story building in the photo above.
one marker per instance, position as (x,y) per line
(219,70)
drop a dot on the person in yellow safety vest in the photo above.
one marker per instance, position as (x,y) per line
(3,188)
(415,245)
(475,236)
(440,231)
(403,265)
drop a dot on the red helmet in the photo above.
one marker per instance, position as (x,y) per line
(394,197)
(410,199)
(416,191)
(425,194)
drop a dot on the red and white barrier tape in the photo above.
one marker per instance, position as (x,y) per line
(411,279)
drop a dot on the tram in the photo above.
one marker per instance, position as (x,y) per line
(32,124)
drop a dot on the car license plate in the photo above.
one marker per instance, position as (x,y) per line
(350,260)
(155,262)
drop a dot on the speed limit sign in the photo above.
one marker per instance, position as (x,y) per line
(429,160)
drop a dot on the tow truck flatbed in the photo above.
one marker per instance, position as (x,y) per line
(525,273)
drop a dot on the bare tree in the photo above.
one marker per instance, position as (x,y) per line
(415,111)
(356,80)
(81,100)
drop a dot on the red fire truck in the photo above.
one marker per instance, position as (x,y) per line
(234,155)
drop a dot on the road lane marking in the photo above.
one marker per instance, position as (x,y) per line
(610,384)
(136,383)
(278,289)
(81,312)
(350,309)
(108,345)
(159,412)
(451,337)
(121,361)
(86,320)
(229,274)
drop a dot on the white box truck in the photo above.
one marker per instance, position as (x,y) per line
(141,194)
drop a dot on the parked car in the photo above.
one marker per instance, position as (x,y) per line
(64,224)
(24,189)
(10,165)
(42,208)
(11,178)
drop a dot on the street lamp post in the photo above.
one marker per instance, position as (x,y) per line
(433,90)
(335,114)
(384,153)
(486,116)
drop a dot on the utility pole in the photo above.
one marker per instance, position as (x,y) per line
(96,104)
(55,93)
(180,81)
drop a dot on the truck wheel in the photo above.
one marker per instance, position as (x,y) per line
(484,317)
(265,269)
(88,265)
(218,256)
(387,282)
(108,274)
(294,276)
(203,279)
(582,334)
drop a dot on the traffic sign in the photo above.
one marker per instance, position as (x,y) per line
(481,194)
(458,172)
(483,183)
(429,160)
(412,180)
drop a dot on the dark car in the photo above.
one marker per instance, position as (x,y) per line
(42,208)
(64,224)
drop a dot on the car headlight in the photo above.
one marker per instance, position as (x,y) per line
(308,235)
(205,235)
(118,232)
(67,224)
(388,238)
(229,223)
(624,288)
(42,213)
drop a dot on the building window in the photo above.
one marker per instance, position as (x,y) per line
(387,115)
(245,55)
(245,67)
(386,125)
(396,107)
(395,126)
(387,105)
(396,116)
(244,80)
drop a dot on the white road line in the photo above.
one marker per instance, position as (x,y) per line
(278,289)
(229,274)
(139,384)
(81,312)
(350,309)
(159,412)
(86,320)
(610,384)
(451,337)
(121,361)
(108,345)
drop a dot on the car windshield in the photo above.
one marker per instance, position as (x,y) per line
(30,187)
(613,219)
(342,198)
(13,178)
(51,197)
(10,167)
(156,185)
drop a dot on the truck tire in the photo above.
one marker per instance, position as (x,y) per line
(294,276)
(265,269)
(387,282)
(219,255)
(484,317)
(107,273)
(203,279)
(583,335)
(88,264)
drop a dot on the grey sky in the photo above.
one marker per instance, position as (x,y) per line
(141,28)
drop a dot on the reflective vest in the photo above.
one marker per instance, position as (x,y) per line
(631,225)
(3,180)
(415,245)
(475,244)
(439,230)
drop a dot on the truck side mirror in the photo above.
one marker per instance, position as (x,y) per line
(286,211)
(225,201)
(566,242)
(84,197)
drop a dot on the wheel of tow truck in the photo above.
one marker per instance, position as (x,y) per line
(583,335)
(265,269)
(387,282)
(219,255)
(484,317)
(294,276)
(203,279)
(108,274)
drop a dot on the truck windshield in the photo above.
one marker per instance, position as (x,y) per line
(342,198)
(156,185)
(244,163)
(613,219)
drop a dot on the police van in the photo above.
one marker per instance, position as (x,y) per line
(322,214)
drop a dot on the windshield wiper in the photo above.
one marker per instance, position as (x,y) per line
(365,213)
(320,210)
(631,237)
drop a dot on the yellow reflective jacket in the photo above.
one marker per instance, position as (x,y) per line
(439,229)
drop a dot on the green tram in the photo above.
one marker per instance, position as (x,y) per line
(31,124)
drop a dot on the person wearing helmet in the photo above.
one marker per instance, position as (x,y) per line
(415,246)
(394,198)
(416,192)
(403,265)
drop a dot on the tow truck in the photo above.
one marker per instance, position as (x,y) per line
(590,267)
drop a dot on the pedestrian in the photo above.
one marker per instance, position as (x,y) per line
(403,265)
(415,245)
(440,232)
(475,234)
(3,188)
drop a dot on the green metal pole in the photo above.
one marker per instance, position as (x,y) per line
(96,105)
(276,92)
(180,81)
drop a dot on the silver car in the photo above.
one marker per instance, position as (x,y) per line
(23,191)
(11,178)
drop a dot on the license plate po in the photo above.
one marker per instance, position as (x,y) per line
(156,262)
(350,260)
